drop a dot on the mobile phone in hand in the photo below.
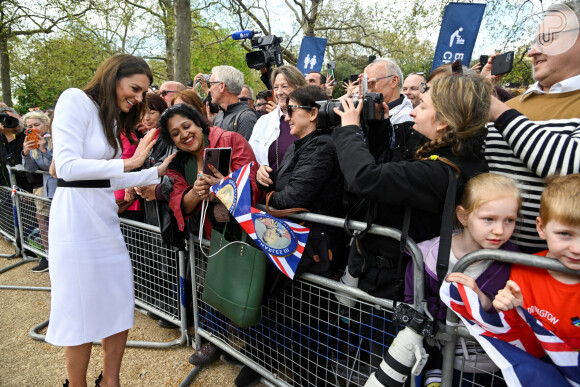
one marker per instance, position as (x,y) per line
(331,71)
(483,61)
(219,158)
(502,64)
(32,135)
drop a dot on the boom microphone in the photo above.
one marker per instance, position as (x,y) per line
(246,34)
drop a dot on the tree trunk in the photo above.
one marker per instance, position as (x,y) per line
(182,41)
(5,71)
(169,31)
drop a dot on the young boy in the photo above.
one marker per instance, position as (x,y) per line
(552,297)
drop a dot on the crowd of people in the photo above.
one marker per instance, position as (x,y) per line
(447,158)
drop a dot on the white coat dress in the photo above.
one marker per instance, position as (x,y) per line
(91,278)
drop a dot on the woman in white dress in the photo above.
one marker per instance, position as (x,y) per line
(90,270)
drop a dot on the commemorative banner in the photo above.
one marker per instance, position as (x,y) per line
(283,241)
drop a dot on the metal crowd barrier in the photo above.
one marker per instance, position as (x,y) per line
(454,332)
(159,272)
(306,337)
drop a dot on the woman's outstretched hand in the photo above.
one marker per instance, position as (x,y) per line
(142,151)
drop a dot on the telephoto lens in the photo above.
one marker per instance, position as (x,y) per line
(349,280)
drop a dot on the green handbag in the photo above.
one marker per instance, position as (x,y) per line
(234,280)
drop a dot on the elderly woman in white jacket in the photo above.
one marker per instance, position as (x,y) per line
(271,135)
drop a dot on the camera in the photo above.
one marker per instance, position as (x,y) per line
(270,52)
(8,121)
(213,108)
(327,118)
(406,354)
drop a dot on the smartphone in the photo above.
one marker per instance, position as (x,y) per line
(353,77)
(32,135)
(331,71)
(457,68)
(270,94)
(483,61)
(219,158)
(502,64)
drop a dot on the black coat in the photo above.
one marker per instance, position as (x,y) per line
(420,185)
(309,177)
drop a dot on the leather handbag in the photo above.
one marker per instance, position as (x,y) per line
(234,280)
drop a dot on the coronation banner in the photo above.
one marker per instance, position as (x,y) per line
(459,29)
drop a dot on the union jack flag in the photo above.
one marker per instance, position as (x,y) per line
(526,352)
(281,240)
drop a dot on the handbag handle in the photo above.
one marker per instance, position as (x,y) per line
(282,213)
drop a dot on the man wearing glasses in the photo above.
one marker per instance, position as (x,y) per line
(169,89)
(385,77)
(538,134)
(412,87)
(225,85)
(247,96)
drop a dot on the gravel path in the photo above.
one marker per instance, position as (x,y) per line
(28,362)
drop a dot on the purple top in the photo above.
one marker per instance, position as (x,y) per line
(284,140)
(490,281)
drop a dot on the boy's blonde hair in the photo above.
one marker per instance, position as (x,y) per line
(485,187)
(561,200)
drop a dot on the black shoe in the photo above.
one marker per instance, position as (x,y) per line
(247,377)
(42,266)
(65,383)
(98,380)
(166,324)
(207,354)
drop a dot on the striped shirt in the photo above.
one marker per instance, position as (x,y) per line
(528,151)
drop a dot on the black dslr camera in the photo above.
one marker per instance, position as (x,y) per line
(420,323)
(8,121)
(327,118)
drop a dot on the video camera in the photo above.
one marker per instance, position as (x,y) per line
(270,52)
(8,121)
(327,118)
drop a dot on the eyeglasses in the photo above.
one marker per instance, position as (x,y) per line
(209,83)
(373,80)
(260,104)
(424,88)
(291,107)
(165,92)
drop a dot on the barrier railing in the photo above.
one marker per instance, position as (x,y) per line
(306,337)
(454,331)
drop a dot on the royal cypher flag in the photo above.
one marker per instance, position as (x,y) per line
(283,241)
(527,353)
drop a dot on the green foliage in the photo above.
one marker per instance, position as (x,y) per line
(48,66)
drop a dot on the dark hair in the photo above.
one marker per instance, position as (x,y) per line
(322,77)
(308,95)
(262,95)
(156,102)
(103,90)
(183,110)
(191,98)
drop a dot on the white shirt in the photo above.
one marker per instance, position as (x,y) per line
(570,84)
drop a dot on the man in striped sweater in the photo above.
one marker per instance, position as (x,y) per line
(538,133)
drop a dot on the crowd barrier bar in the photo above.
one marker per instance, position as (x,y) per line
(454,331)
(322,285)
